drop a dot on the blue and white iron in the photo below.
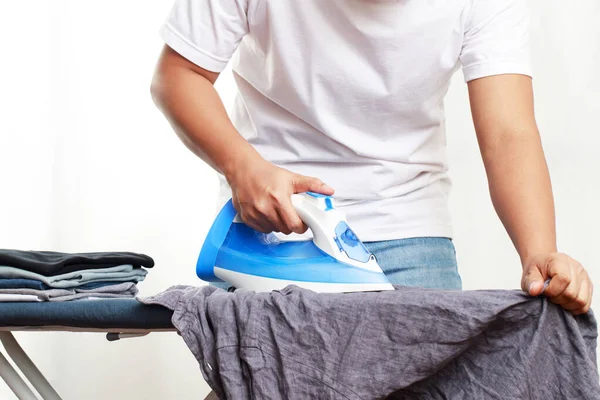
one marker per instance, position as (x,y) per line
(334,261)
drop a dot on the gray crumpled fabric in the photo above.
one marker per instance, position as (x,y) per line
(403,344)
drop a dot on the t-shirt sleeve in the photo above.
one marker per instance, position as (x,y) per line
(206,32)
(496,39)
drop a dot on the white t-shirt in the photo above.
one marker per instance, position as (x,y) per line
(351,91)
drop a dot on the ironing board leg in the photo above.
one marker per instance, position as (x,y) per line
(211,396)
(31,372)
(14,380)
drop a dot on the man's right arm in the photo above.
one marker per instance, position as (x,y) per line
(261,191)
(185,94)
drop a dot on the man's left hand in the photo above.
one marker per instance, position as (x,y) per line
(570,285)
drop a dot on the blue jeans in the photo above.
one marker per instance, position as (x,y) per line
(428,262)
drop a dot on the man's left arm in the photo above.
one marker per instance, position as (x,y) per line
(520,188)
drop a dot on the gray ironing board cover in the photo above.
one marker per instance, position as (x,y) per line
(101,314)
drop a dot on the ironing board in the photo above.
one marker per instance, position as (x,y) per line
(118,318)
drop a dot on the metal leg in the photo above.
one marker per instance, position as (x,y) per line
(14,380)
(211,396)
(31,372)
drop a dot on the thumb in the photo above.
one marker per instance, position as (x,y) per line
(533,281)
(307,184)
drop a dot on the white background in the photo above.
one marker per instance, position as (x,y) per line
(88,164)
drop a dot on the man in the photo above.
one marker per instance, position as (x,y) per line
(351,92)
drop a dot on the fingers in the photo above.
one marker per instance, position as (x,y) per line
(258,224)
(282,216)
(291,219)
(559,271)
(288,219)
(253,217)
(267,211)
(587,291)
(533,282)
(582,302)
(568,299)
(275,214)
(303,184)
(265,204)
(570,285)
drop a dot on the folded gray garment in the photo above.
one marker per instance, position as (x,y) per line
(119,290)
(122,273)
(404,344)
(129,287)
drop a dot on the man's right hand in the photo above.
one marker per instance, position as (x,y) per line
(262,195)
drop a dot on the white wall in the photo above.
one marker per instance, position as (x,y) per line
(88,164)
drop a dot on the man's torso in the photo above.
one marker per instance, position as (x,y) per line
(351,92)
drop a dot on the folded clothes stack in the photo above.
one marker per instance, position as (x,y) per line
(54,276)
